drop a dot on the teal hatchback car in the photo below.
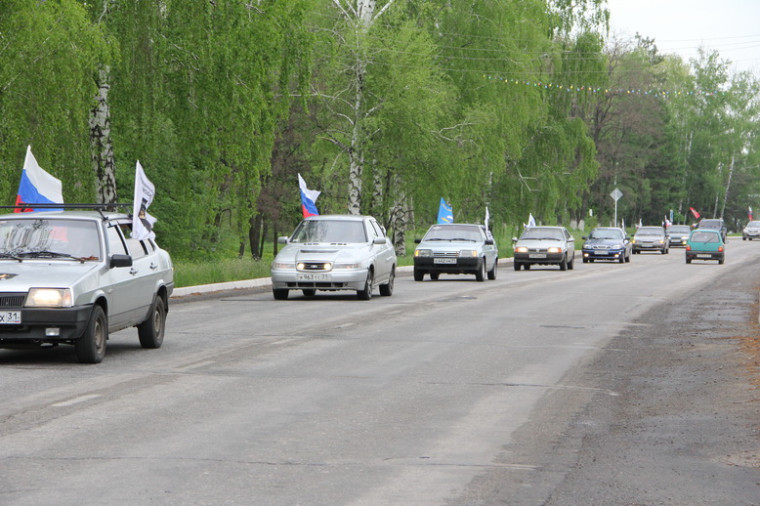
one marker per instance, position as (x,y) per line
(705,244)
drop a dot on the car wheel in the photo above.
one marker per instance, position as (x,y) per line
(435,275)
(585,260)
(492,272)
(386,290)
(517,266)
(526,267)
(366,292)
(151,331)
(563,264)
(628,258)
(744,238)
(571,263)
(91,347)
(622,258)
(309,292)
(480,274)
(591,260)
(688,260)
(280,293)
(721,261)
(418,275)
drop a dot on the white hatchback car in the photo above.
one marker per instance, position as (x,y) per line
(335,252)
(72,277)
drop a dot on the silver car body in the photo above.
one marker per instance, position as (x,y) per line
(751,231)
(335,252)
(678,235)
(84,259)
(650,238)
(456,248)
(544,246)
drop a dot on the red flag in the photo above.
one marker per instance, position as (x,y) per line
(694,212)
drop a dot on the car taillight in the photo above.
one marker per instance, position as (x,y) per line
(720,249)
(688,248)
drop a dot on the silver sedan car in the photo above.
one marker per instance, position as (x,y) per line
(456,248)
(544,246)
(335,252)
(73,277)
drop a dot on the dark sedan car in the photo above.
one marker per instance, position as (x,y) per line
(607,243)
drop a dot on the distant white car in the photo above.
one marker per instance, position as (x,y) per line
(72,277)
(335,252)
(751,231)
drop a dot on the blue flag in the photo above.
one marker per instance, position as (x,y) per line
(445,215)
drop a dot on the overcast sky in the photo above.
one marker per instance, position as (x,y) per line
(731,27)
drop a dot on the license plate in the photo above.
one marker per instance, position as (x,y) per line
(537,255)
(10,317)
(444,260)
(704,256)
(311,277)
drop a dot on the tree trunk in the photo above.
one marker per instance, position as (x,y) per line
(254,233)
(102,146)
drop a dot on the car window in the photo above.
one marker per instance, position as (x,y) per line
(453,233)
(378,229)
(332,231)
(705,237)
(136,248)
(77,238)
(115,243)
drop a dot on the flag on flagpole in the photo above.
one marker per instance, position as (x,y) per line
(37,186)
(749,213)
(694,212)
(445,214)
(488,217)
(531,221)
(639,225)
(308,199)
(142,222)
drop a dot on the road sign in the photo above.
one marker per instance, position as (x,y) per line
(616,194)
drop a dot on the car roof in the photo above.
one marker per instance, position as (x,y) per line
(607,228)
(455,225)
(81,215)
(652,227)
(337,217)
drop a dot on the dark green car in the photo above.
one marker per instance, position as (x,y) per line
(706,244)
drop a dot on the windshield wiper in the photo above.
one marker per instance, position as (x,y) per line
(53,254)
(11,256)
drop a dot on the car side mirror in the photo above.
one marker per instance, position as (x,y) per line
(417,241)
(120,260)
(514,239)
(378,240)
(585,238)
(282,240)
(489,241)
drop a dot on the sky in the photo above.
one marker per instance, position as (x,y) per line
(730,27)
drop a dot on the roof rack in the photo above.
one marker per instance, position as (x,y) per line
(94,207)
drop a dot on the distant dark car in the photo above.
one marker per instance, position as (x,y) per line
(607,243)
(650,239)
(714,224)
(751,231)
(705,244)
(678,235)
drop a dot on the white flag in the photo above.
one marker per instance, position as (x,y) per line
(531,221)
(142,222)
(488,217)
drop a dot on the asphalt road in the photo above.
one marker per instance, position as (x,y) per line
(607,384)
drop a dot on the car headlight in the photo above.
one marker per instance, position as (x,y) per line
(282,265)
(49,297)
(555,249)
(468,253)
(347,266)
(521,249)
(423,252)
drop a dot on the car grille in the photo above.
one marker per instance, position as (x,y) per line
(601,246)
(12,299)
(313,266)
(445,254)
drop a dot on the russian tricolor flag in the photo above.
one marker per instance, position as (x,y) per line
(37,186)
(308,199)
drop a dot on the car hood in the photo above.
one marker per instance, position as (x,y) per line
(318,252)
(20,276)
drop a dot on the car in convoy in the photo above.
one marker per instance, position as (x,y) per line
(544,246)
(335,252)
(706,244)
(456,248)
(650,238)
(607,243)
(714,224)
(75,276)
(678,235)
(751,231)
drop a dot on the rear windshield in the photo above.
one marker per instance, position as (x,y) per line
(705,237)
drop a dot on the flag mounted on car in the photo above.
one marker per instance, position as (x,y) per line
(37,186)
(142,222)
(445,214)
(308,199)
(694,213)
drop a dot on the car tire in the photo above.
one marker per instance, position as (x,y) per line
(480,274)
(563,264)
(492,272)
(419,275)
(628,258)
(91,346)
(688,260)
(571,263)
(151,331)
(280,293)
(309,292)
(435,275)
(744,238)
(720,262)
(585,260)
(366,292)
(621,259)
(526,267)
(386,290)
(517,266)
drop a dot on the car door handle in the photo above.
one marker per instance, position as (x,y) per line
(133,271)
(153,266)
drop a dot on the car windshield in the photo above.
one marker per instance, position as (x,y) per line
(709,224)
(705,237)
(453,233)
(543,233)
(606,233)
(49,238)
(650,231)
(332,231)
(679,229)
(754,224)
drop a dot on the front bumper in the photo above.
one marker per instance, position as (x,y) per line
(648,246)
(39,326)
(705,255)
(336,279)
(603,254)
(539,258)
(454,265)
